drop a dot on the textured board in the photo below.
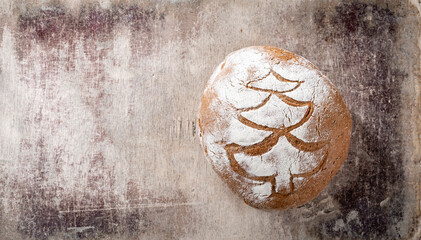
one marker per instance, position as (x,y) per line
(98,107)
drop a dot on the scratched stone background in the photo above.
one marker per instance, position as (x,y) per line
(98,106)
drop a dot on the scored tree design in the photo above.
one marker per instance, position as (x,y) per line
(270,141)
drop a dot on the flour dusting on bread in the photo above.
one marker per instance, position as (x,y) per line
(264,125)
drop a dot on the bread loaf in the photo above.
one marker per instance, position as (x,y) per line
(274,128)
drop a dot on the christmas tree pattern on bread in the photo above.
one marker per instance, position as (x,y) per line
(292,115)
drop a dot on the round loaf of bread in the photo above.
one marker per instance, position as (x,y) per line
(274,128)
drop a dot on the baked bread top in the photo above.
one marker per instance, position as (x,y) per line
(274,128)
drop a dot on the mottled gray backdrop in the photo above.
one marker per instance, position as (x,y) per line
(98,105)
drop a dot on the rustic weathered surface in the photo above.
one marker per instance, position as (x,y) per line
(98,102)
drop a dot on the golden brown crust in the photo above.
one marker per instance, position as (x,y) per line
(328,119)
